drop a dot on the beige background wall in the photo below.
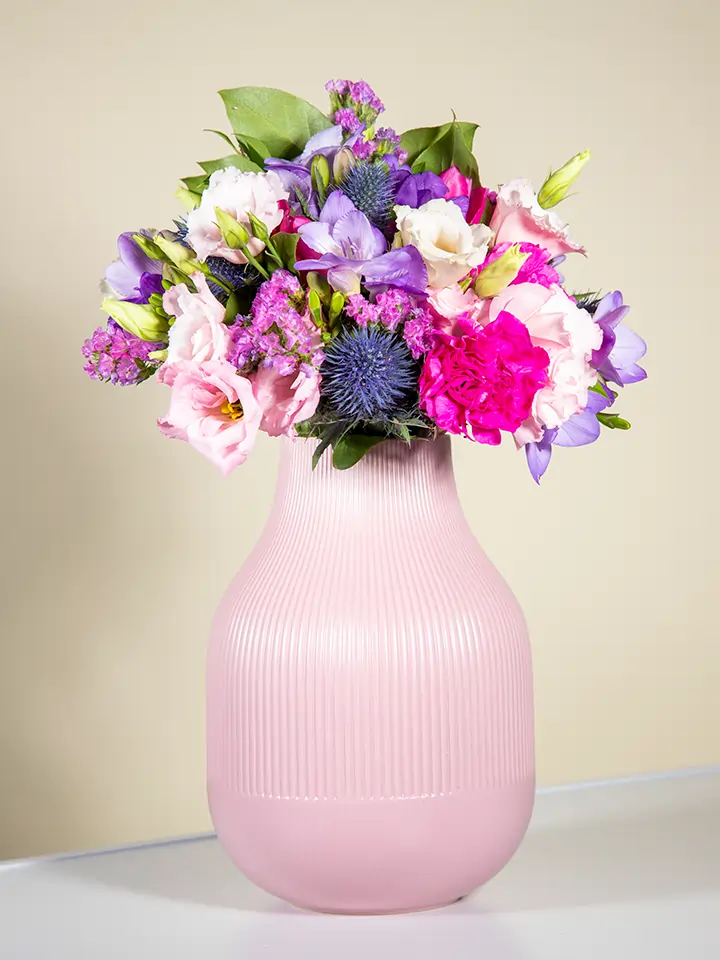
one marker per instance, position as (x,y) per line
(117,544)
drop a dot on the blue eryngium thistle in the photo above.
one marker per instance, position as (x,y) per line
(370,185)
(368,374)
(234,274)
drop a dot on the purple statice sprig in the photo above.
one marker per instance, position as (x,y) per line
(395,309)
(277,332)
(116,356)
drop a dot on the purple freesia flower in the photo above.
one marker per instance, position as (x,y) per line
(134,276)
(578,430)
(295,174)
(621,348)
(419,188)
(350,247)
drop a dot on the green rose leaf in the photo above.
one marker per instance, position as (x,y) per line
(234,160)
(137,318)
(434,149)
(254,149)
(196,184)
(282,122)
(351,448)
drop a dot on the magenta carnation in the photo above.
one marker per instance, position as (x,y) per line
(484,380)
(536,269)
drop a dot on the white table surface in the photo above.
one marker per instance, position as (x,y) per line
(618,871)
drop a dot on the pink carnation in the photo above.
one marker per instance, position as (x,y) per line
(214,410)
(287,400)
(484,380)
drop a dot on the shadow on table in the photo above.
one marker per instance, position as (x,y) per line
(639,857)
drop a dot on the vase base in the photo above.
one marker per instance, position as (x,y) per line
(378,913)
(372,857)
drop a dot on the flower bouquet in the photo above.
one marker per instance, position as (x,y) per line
(332,279)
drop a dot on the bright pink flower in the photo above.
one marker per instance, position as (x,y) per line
(461,186)
(519,218)
(568,334)
(286,401)
(484,380)
(290,221)
(213,409)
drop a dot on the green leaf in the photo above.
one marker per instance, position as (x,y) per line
(331,435)
(286,246)
(451,145)
(225,137)
(232,308)
(282,122)
(196,184)
(613,421)
(137,318)
(351,448)
(187,198)
(234,160)
(255,149)
(233,233)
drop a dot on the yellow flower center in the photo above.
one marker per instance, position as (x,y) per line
(233,410)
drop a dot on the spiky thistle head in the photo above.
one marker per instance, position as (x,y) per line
(370,184)
(235,275)
(369,374)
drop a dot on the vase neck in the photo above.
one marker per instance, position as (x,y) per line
(394,480)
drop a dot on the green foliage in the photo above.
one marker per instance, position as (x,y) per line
(285,245)
(351,448)
(234,160)
(281,122)
(434,149)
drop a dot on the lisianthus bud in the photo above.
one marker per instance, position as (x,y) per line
(501,272)
(557,184)
(344,159)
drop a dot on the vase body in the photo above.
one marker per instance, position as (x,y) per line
(369,698)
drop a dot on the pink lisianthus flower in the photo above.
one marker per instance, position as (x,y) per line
(198,333)
(448,304)
(484,380)
(238,193)
(286,400)
(213,409)
(461,186)
(568,334)
(519,218)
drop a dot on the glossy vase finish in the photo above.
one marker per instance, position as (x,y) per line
(370,742)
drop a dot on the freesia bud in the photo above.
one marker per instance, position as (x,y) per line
(500,273)
(557,184)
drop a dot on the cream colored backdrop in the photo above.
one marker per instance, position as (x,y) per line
(117,544)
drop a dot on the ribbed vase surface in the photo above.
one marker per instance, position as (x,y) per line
(369,692)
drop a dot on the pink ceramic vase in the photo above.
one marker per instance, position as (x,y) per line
(370,741)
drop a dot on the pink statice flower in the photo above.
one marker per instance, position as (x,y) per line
(395,308)
(118,357)
(279,331)
(484,380)
(213,409)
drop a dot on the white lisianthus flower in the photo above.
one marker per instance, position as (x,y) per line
(238,194)
(449,246)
